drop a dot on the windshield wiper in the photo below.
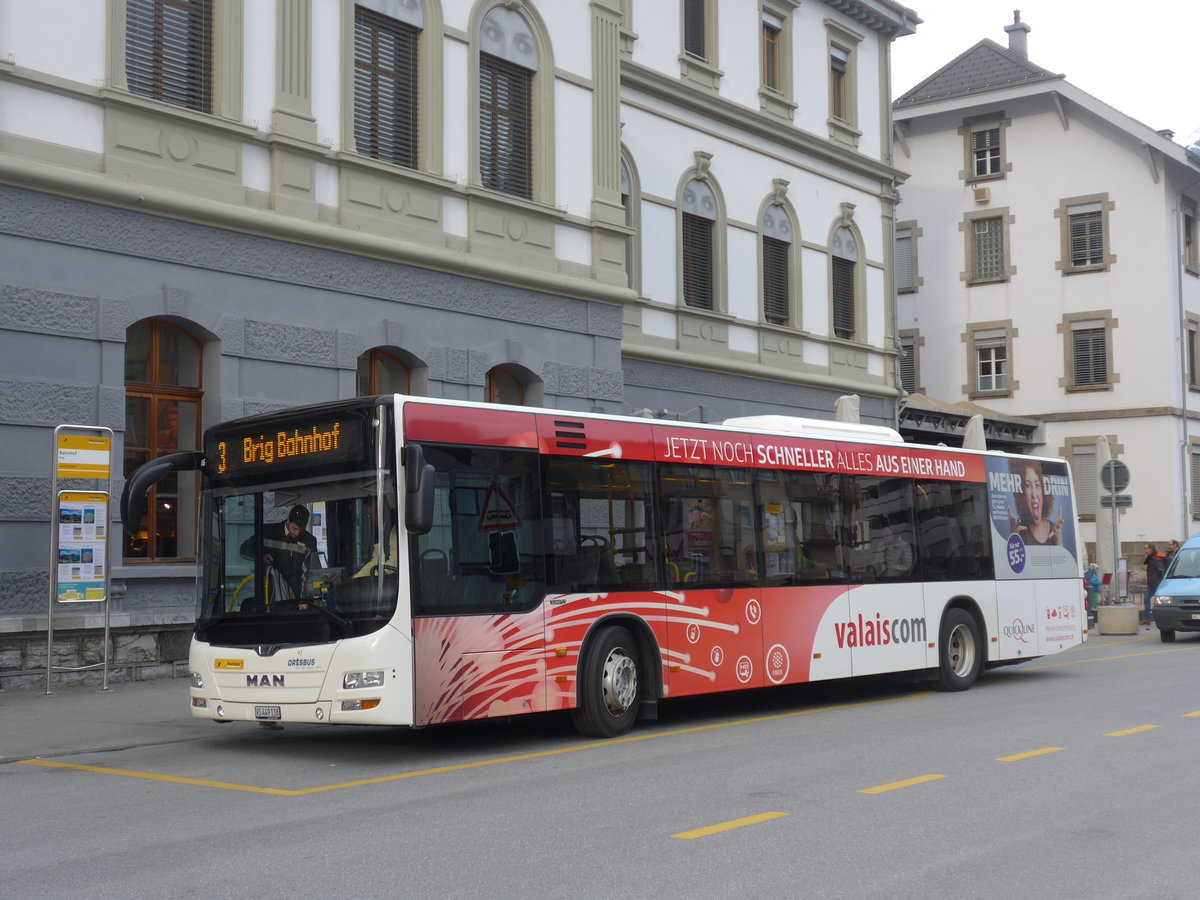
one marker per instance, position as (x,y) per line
(346,623)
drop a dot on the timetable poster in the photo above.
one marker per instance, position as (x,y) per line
(82,541)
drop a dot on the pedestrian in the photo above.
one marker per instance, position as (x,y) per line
(1172,549)
(1155,563)
(1091,581)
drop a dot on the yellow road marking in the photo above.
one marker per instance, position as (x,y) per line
(1031,753)
(729,826)
(1132,730)
(1192,715)
(153,777)
(896,785)
(1078,662)
(440,770)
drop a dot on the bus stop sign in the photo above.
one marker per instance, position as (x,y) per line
(1114,475)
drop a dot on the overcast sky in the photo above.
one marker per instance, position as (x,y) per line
(1133,56)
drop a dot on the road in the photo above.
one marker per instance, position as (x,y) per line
(1064,777)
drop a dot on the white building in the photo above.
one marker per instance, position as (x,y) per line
(1048,268)
(212,208)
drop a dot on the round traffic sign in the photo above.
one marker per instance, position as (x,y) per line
(1114,475)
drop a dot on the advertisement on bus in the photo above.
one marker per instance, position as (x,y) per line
(1033,523)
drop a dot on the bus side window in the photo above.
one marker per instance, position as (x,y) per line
(709,534)
(600,519)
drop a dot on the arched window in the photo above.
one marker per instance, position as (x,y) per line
(508,64)
(844,290)
(382,372)
(777,265)
(698,226)
(163,390)
(504,386)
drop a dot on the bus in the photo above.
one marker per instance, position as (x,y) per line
(464,560)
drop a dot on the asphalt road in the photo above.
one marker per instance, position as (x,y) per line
(1069,776)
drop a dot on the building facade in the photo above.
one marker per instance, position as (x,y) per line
(213,208)
(1047,269)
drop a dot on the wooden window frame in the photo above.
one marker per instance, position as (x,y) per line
(505,126)
(157,392)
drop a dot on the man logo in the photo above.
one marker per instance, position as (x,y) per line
(264,681)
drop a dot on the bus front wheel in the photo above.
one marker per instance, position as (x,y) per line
(609,689)
(960,651)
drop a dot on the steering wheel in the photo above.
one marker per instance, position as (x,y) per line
(593,540)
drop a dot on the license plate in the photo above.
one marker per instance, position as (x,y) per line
(267,712)
(1196,615)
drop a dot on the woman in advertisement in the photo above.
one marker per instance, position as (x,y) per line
(1035,506)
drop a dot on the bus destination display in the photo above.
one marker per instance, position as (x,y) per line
(329,441)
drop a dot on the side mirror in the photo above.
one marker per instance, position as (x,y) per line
(418,490)
(144,477)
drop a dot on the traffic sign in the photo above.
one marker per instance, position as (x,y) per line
(1114,475)
(1118,501)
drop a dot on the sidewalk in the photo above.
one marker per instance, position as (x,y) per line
(84,718)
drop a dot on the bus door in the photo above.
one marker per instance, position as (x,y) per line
(479,587)
(714,637)
(888,628)
(804,601)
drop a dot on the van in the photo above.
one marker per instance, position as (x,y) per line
(1176,600)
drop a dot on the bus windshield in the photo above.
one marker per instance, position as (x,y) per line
(301,559)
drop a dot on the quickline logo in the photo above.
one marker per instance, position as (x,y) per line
(878,632)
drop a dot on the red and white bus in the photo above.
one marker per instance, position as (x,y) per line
(464,560)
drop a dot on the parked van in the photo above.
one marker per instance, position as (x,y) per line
(1176,602)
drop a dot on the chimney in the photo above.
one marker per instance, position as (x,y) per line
(1017,32)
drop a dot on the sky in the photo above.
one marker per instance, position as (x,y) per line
(1132,57)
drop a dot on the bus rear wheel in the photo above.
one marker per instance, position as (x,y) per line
(610,685)
(960,651)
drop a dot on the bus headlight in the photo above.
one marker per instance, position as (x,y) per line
(1160,600)
(197,680)
(354,680)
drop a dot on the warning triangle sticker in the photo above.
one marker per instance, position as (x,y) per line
(498,511)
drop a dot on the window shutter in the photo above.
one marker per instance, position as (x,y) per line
(908,366)
(987,151)
(904,260)
(697,261)
(1087,239)
(693,29)
(1191,355)
(385,88)
(168,51)
(504,126)
(1194,461)
(1091,363)
(844,325)
(1083,470)
(776,306)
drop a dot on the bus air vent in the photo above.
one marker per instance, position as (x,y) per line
(571,435)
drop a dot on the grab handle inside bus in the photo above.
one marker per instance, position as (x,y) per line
(418,490)
(133,497)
